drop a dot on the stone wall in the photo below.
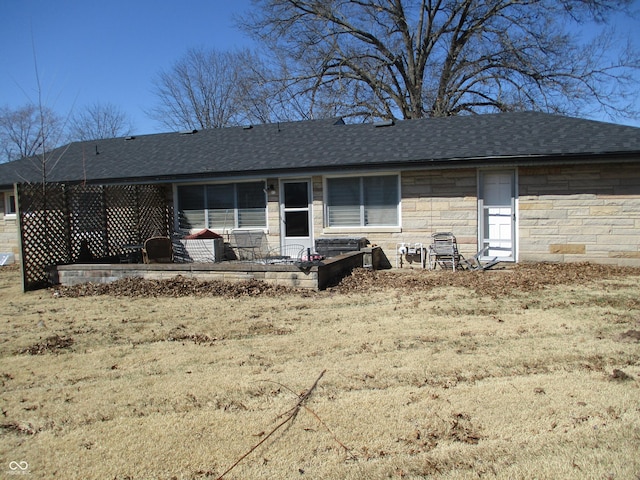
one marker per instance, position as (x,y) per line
(440,201)
(585,213)
(434,201)
(8,231)
(568,213)
(315,277)
(273,216)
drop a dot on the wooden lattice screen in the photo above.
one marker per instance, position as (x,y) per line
(56,218)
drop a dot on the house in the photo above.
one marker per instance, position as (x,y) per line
(531,186)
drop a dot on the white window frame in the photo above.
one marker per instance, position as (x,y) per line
(328,229)
(8,211)
(235,207)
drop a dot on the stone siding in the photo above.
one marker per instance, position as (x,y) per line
(432,201)
(273,215)
(565,213)
(9,238)
(584,213)
(440,201)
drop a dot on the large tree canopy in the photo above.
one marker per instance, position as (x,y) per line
(208,88)
(27,130)
(205,88)
(100,120)
(417,58)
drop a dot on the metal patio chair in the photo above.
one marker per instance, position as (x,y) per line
(474,263)
(249,244)
(285,254)
(443,251)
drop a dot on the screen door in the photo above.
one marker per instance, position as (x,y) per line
(295,204)
(497,210)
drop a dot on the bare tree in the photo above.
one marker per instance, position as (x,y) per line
(204,89)
(24,130)
(265,97)
(417,58)
(100,120)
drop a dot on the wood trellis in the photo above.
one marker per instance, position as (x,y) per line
(55,218)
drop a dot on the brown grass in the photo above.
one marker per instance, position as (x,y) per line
(528,373)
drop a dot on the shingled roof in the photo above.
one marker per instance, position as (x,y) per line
(331,145)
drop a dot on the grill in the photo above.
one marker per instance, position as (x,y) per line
(331,247)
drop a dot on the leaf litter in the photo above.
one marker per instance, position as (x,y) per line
(525,277)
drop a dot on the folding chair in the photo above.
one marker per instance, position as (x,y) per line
(475,263)
(443,251)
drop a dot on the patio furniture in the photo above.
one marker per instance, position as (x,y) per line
(131,253)
(443,251)
(285,254)
(249,244)
(475,262)
(158,250)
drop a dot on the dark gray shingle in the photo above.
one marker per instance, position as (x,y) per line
(327,144)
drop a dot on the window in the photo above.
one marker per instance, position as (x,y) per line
(9,204)
(222,206)
(362,201)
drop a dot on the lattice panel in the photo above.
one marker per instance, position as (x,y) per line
(87,219)
(57,218)
(154,219)
(122,216)
(44,231)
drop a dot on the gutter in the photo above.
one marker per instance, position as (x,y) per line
(404,165)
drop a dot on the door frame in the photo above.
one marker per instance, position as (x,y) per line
(483,235)
(308,242)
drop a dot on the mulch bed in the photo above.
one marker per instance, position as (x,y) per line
(525,277)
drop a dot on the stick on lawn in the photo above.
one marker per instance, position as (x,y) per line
(289,417)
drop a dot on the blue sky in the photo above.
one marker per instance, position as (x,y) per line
(91,51)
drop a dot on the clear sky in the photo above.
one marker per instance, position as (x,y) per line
(90,51)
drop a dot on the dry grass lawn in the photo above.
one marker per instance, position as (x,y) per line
(425,376)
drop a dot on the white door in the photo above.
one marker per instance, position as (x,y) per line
(295,212)
(497,211)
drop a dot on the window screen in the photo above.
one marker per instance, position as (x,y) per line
(222,206)
(362,201)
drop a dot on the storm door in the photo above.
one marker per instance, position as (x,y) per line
(497,214)
(295,212)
